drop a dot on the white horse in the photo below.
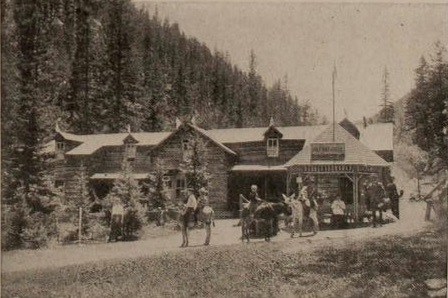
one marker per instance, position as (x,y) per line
(298,213)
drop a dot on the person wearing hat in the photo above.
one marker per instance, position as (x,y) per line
(202,202)
(190,206)
(375,194)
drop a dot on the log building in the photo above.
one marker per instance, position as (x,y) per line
(236,157)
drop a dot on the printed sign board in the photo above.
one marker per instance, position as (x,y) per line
(327,151)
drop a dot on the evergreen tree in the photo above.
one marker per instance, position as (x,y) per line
(194,166)
(128,191)
(387,110)
(156,188)
(424,116)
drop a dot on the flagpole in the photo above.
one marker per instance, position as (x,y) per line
(334,74)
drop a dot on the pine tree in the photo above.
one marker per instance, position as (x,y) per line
(129,192)
(194,166)
(387,110)
(156,188)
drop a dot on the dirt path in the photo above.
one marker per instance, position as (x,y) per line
(224,234)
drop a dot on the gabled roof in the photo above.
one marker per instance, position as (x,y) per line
(256,134)
(203,132)
(356,153)
(375,136)
(91,143)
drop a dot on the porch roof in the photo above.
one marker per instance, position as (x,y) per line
(107,176)
(356,153)
(260,168)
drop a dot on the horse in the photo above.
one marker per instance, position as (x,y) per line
(298,213)
(246,221)
(184,219)
(268,212)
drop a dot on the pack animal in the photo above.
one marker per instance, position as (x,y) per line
(298,213)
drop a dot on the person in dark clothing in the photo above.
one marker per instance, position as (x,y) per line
(254,199)
(392,194)
(375,194)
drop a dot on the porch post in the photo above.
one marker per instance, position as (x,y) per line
(356,195)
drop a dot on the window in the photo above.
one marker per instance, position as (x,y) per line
(130,150)
(185,145)
(272,149)
(185,148)
(167,184)
(180,186)
(60,149)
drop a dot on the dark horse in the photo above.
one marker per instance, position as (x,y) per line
(266,213)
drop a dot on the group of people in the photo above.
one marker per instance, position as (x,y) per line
(193,208)
(379,196)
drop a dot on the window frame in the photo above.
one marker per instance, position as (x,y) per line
(130,150)
(272,147)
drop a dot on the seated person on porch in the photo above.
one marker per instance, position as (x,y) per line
(254,199)
(338,212)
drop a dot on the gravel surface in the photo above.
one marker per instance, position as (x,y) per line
(225,233)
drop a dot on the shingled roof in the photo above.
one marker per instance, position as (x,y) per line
(356,153)
(375,136)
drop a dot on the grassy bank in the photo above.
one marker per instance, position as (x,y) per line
(387,267)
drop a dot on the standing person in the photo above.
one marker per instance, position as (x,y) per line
(189,206)
(392,194)
(338,212)
(312,197)
(254,199)
(202,202)
(375,194)
(209,219)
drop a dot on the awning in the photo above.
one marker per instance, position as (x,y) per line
(259,168)
(105,176)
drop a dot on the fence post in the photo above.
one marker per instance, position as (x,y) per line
(80,225)
(428,209)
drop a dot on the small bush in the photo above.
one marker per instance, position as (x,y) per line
(12,229)
(99,232)
(40,230)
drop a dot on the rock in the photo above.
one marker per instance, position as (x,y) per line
(438,293)
(435,283)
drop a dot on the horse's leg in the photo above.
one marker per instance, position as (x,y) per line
(293,224)
(268,226)
(243,230)
(186,235)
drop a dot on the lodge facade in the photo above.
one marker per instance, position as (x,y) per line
(269,157)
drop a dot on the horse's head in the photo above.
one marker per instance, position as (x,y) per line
(288,200)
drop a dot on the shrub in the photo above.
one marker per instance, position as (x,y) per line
(39,231)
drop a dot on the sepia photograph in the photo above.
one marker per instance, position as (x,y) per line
(224,148)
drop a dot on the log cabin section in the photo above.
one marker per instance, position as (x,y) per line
(236,158)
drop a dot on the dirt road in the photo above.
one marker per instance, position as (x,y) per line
(225,233)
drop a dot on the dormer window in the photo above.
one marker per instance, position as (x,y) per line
(272,147)
(130,151)
(60,149)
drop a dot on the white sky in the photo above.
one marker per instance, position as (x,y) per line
(305,40)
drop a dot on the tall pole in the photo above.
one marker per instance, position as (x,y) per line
(334,119)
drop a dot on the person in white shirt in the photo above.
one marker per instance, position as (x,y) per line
(338,209)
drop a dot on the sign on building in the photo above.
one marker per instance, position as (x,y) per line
(327,151)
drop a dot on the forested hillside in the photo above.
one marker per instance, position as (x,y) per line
(99,66)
